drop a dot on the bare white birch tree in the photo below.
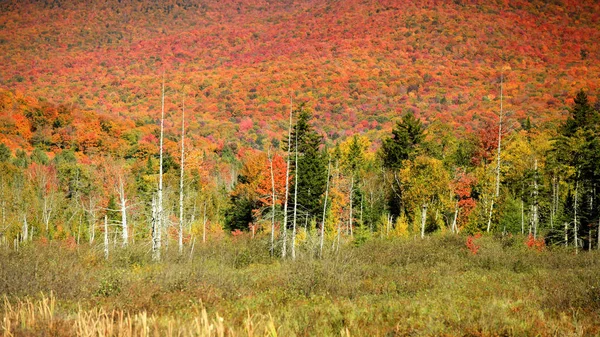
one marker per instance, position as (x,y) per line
(296,173)
(324,210)
(181,173)
(123,209)
(105,237)
(497,194)
(272,203)
(158,223)
(287,186)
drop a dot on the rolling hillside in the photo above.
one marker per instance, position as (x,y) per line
(357,64)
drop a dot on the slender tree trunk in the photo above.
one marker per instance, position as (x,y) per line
(598,239)
(324,210)
(204,224)
(489,225)
(553,208)
(371,201)
(46,214)
(192,247)
(498,155)
(287,186)
(351,215)
(123,202)
(362,199)
(297,173)
(159,221)
(423,220)
(25,229)
(105,237)
(388,226)
(535,200)
(181,173)
(79,229)
(454,225)
(575,216)
(272,204)
(92,221)
(522,217)
(566,234)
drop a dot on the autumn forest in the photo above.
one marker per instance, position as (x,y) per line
(224,168)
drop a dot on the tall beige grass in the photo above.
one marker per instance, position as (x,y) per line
(26,317)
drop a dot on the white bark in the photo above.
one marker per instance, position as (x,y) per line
(489,225)
(204,224)
(535,201)
(157,238)
(25,229)
(553,208)
(566,234)
(272,204)
(598,240)
(522,217)
(351,194)
(105,237)
(287,184)
(497,155)
(123,203)
(46,213)
(575,216)
(324,211)
(295,202)
(454,226)
(423,220)
(181,172)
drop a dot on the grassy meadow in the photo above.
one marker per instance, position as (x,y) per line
(430,287)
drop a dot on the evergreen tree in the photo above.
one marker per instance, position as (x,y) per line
(403,145)
(39,156)
(576,151)
(5,153)
(582,115)
(312,165)
(406,137)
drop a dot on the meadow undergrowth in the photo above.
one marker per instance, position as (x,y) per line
(435,286)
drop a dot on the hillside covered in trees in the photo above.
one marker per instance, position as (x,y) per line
(300,130)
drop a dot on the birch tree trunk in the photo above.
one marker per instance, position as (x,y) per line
(25,229)
(522,217)
(295,202)
(105,237)
(535,201)
(598,239)
(287,187)
(272,204)
(498,155)
(566,234)
(423,220)
(181,173)
(123,203)
(157,237)
(454,226)
(489,225)
(204,224)
(324,210)
(575,216)
(351,194)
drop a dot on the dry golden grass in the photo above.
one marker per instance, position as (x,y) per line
(29,317)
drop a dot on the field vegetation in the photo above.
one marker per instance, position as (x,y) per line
(412,286)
